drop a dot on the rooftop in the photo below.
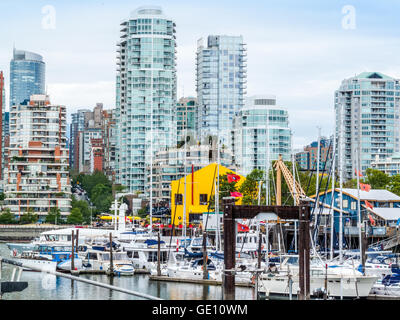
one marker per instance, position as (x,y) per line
(387,213)
(373,194)
(374,75)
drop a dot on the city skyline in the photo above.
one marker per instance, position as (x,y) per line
(299,52)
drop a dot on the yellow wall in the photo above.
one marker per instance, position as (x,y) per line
(202,184)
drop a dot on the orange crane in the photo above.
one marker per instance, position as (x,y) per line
(297,194)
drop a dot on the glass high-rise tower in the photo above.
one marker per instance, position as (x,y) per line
(27,76)
(220,83)
(367,110)
(261,127)
(146,94)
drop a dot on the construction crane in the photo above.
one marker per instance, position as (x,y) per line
(297,194)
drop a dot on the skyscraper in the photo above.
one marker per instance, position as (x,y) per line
(186,118)
(367,108)
(38,172)
(146,94)
(261,123)
(77,125)
(220,83)
(2,107)
(27,76)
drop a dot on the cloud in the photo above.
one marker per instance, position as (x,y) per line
(82,95)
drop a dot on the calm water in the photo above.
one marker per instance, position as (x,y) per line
(48,287)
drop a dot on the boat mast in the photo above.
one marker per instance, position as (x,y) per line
(358,201)
(267,185)
(341,184)
(333,192)
(317,177)
(267,160)
(294,192)
(184,173)
(151,137)
(217,198)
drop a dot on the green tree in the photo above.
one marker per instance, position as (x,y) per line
(29,217)
(250,187)
(54,216)
(75,217)
(83,208)
(225,189)
(377,179)
(90,181)
(352,184)
(142,213)
(6,217)
(394,184)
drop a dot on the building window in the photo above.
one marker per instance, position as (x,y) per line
(203,199)
(178,199)
(345,203)
(353,205)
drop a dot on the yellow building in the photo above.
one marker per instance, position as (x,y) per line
(200,187)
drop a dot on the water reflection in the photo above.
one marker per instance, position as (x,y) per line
(49,287)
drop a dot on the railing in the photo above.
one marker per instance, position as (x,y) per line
(63,275)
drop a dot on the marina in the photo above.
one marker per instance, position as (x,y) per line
(48,287)
(227,194)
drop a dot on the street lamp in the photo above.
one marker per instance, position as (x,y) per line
(91,213)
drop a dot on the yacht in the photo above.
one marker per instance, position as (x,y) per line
(388,286)
(96,260)
(342,281)
(52,257)
(143,253)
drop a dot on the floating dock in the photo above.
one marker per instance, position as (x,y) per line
(196,281)
(78,272)
(381,297)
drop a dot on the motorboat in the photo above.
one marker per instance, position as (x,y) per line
(60,237)
(388,286)
(124,269)
(36,260)
(193,270)
(44,255)
(338,281)
(143,253)
(96,260)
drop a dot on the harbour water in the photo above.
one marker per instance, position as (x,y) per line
(49,287)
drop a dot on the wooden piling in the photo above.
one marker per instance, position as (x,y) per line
(232,212)
(72,251)
(229,250)
(364,245)
(76,240)
(205,272)
(259,250)
(158,256)
(111,257)
(304,252)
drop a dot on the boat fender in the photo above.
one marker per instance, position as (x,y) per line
(14,253)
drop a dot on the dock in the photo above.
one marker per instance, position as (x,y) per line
(79,272)
(196,281)
(382,297)
(25,233)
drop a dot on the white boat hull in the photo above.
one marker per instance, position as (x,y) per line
(66,265)
(46,265)
(381,289)
(337,286)
(124,270)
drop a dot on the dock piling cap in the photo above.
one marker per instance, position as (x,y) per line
(13,286)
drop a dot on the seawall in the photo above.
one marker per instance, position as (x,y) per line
(24,232)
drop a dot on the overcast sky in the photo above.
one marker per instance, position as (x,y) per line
(298,50)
